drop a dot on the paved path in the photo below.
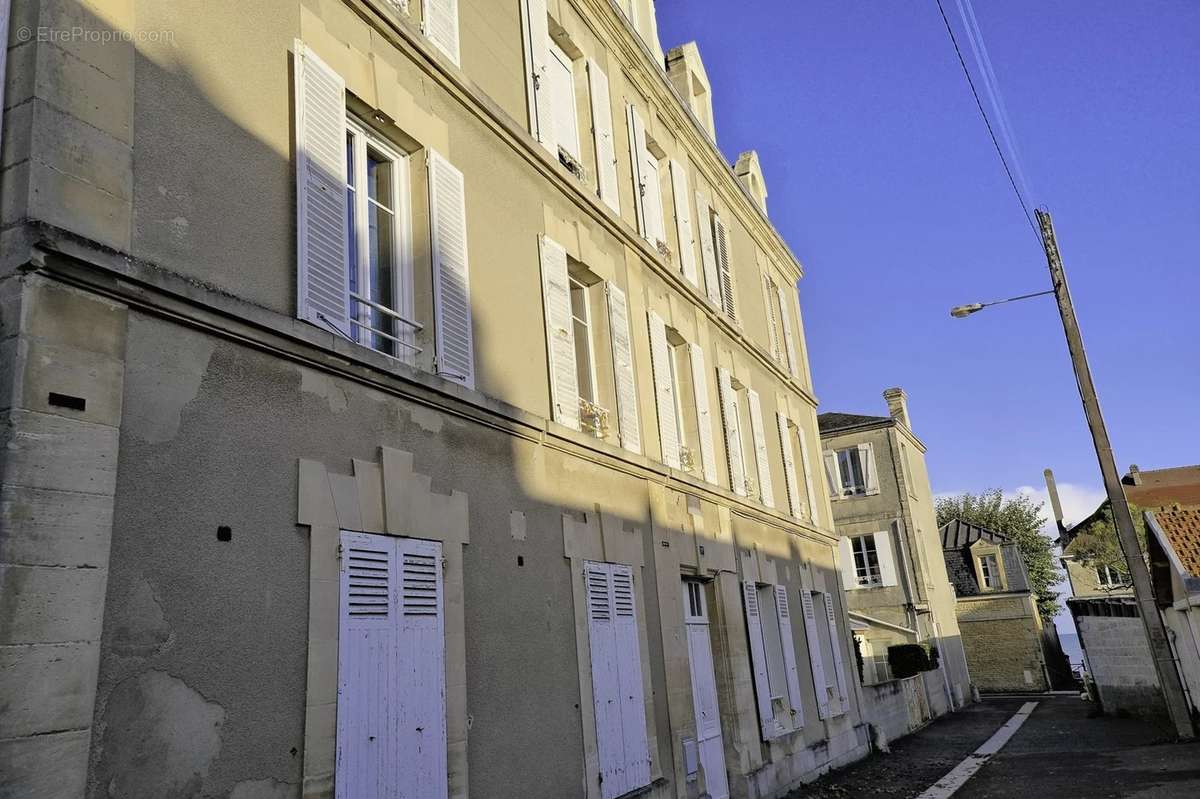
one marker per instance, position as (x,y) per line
(1058,752)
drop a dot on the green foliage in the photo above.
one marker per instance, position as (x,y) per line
(1095,543)
(906,660)
(1020,518)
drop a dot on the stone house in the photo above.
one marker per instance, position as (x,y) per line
(997,611)
(897,589)
(408,394)
(1174,549)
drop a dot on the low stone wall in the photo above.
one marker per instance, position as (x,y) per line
(1119,661)
(896,708)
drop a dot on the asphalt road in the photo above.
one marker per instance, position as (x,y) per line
(1058,752)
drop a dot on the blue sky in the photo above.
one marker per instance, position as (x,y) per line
(884,182)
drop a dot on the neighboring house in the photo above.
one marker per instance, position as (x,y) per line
(1174,549)
(891,560)
(411,394)
(997,611)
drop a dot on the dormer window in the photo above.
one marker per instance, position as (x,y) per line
(989,572)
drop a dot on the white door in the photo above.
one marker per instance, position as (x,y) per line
(704,692)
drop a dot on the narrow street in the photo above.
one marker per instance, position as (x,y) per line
(1058,752)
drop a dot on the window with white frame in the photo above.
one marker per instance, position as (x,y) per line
(581,324)
(562,89)
(866,561)
(851,471)
(1108,577)
(989,572)
(685,409)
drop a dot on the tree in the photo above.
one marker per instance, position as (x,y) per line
(1094,541)
(1020,518)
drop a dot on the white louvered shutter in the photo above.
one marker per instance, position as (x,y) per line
(733,436)
(835,644)
(421,672)
(789,466)
(537,82)
(815,658)
(637,146)
(602,131)
(887,559)
(785,320)
(683,222)
(451,276)
(769,295)
(606,679)
(846,556)
(766,488)
(560,334)
(322,277)
(831,474)
(704,420)
(629,666)
(866,454)
(721,241)
(708,250)
(623,374)
(664,391)
(758,660)
(652,201)
(441,25)
(806,464)
(788,643)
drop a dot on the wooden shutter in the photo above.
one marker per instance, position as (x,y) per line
(835,645)
(421,672)
(637,146)
(322,276)
(664,391)
(808,474)
(683,222)
(602,131)
(769,295)
(789,466)
(708,250)
(562,107)
(866,454)
(721,240)
(441,25)
(887,559)
(766,489)
(623,375)
(537,80)
(758,660)
(451,277)
(629,664)
(560,333)
(733,436)
(831,474)
(788,643)
(785,320)
(652,203)
(704,420)
(846,556)
(815,658)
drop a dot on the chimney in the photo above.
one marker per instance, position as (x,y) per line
(1055,504)
(897,402)
(1134,477)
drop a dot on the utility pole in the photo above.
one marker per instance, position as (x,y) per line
(1156,634)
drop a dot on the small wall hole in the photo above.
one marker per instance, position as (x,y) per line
(224,533)
(520,560)
(67,401)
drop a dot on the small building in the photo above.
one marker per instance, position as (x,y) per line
(997,610)
(1173,543)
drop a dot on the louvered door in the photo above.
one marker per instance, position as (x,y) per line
(709,740)
(421,672)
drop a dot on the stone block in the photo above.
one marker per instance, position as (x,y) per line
(43,605)
(47,687)
(54,452)
(73,204)
(46,369)
(52,528)
(100,99)
(75,148)
(45,766)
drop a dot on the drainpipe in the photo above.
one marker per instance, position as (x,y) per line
(5,13)
(942,661)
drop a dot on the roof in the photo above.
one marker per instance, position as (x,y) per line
(957,534)
(833,421)
(1158,488)
(1181,527)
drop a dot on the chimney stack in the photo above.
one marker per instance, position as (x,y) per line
(1134,477)
(897,402)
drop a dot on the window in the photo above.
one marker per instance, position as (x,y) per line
(866,561)
(562,90)
(824,653)
(681,380)
(906,471)
(647,192)
(989,571)
(773,658)
(774,315)
(380,279)
(581,324)
(1108,577)
(851,471)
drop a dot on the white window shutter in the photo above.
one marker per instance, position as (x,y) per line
(831,474)
(772,330)
(766,489)
(537,81)
(322,278)
(606,677)
(560,333)
(623,374)
(733,438)
(652,204)
(721,240)
(789,466)
(788,643)
(683,222)
(808,475)
(451,276)
(637,145)
(846,556)
(708,250)
(565,113)
(629,667)
(835,644)
(664,391)
(866,454)
(887,559)
(814,653)
(704,419)
(602,130)
(758,660)
(785,320)
(441,25)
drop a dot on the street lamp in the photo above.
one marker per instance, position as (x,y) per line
(1156,633)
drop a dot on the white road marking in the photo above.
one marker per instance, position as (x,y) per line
(958,776)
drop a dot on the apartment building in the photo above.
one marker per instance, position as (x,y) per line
(897,587)
(401,399)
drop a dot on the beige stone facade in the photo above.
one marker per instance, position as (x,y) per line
(1002,636)
(196,407)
